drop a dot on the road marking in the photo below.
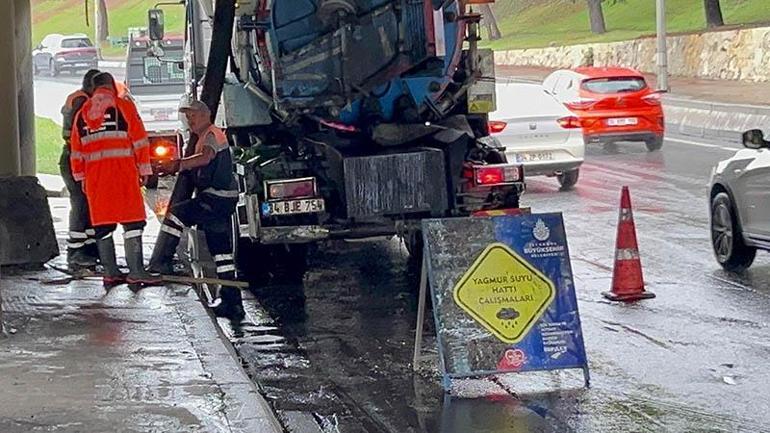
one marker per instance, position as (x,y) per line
(695,143)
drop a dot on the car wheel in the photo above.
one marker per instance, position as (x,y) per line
(730,249)
(568,179)
(52,69)
(654,144)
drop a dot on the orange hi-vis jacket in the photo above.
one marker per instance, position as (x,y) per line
(110,150)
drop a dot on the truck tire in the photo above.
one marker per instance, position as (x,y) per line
(261,265)
(152,182)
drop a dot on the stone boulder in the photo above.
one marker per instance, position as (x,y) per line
(26,226)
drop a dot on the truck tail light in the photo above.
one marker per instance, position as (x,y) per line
(496,126)
(570,122)
(162,149)
(291,189)
(492,175)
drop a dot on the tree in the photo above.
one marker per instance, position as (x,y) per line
(713,13)
(490,22)
(101,22)
(596,15)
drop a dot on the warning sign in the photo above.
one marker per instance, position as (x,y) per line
(504,293)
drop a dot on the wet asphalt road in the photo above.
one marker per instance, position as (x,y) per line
(691,360)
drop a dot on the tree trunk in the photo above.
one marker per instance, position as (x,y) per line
(490,22)
(713,13)
(596,15)
(101,24)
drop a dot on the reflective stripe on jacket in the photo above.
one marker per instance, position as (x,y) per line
(110,158)
(216,178)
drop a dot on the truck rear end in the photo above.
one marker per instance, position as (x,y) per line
(350,119)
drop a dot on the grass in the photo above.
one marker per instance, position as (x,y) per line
(564,22)
(48,143)
(68,16)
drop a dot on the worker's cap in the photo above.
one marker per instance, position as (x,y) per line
(194,106)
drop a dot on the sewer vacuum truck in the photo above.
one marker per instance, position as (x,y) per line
(348,118)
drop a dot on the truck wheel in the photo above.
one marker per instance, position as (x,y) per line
(730,250)
(152,182)
(568,179)
(288,263)
(414,246)
(265,264)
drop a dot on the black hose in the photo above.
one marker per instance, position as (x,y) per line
(216,67)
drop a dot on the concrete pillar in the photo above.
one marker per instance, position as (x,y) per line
(26,98)
(10,161)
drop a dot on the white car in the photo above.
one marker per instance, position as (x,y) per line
(539,132)
(740,204)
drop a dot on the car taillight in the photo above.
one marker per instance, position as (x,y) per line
(652,98)
(570,122)
(290,189)
(581,104)
(491,175)
(496,126)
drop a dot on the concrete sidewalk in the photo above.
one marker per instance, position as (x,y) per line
(79,359)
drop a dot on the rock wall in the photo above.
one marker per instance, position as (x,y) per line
(728,55)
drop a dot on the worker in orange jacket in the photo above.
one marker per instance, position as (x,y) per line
(81,245)
(111,155)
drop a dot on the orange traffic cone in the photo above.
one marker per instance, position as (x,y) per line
(627,280)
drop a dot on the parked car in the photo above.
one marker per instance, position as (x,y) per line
(538,132)
(740,204)
(57,53)
(613,104)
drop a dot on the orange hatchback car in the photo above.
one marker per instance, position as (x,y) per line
(613,104)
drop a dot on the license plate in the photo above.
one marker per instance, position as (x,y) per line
(292,207)
(534,156)
(622,121)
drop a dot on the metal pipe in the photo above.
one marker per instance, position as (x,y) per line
(662,54)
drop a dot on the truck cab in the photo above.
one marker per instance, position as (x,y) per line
(156,81)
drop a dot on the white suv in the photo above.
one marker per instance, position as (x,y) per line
(740,204)
(57,53)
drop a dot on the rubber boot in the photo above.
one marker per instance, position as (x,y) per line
(137,276)
(79,262)
(230,304)
(112,275)
(162,260)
